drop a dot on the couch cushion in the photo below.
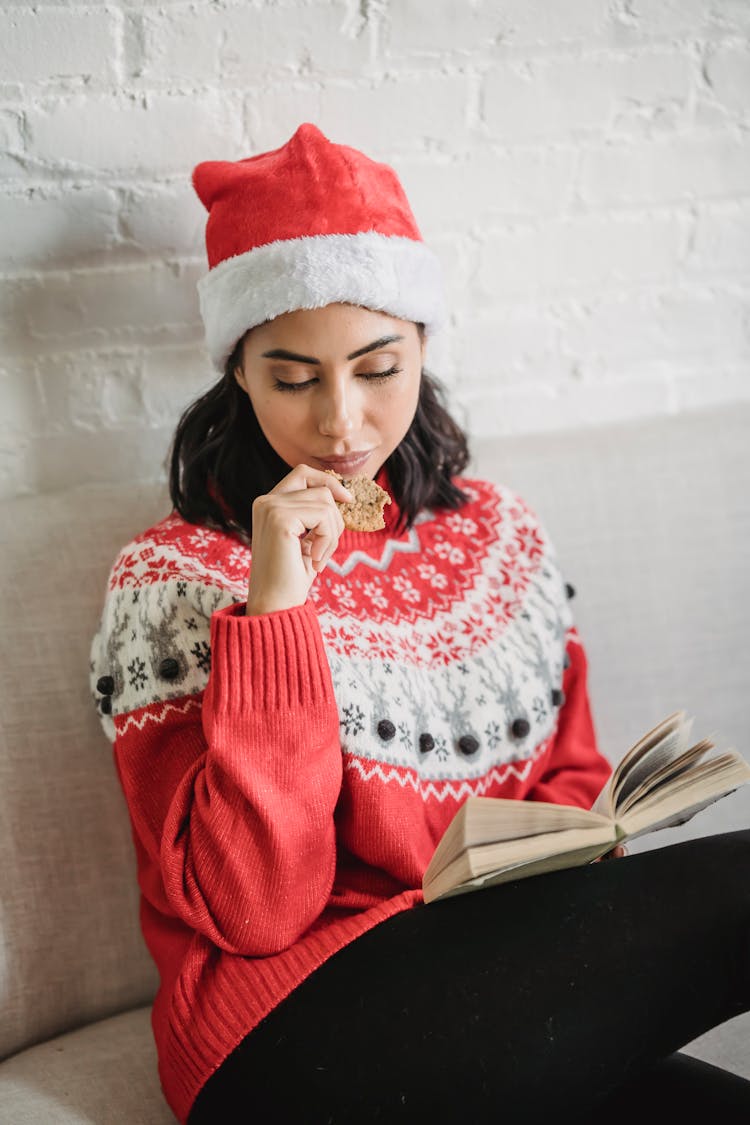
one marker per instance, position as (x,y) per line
(71,944)
(104,1073)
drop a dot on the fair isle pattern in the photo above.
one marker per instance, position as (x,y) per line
(146,623)
(393,546)
(457,791)
(174,549)
(495,535)
(160,713)
(449,633)
(434,686)
(448,722)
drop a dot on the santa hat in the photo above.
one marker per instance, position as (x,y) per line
(303,226)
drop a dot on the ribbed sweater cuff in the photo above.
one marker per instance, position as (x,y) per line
(272,661)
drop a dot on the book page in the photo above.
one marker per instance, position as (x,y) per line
(681,817)
(664,752)
(668,774)
(711,780)
(705,775)
(606,801)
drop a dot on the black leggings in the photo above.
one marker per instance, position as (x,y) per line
(544,999)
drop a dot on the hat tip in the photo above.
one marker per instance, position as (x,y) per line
(307,131)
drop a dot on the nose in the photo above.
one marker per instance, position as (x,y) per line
(338,411)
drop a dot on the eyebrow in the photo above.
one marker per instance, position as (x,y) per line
(282,353)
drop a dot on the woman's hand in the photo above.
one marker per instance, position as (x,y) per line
(296,529)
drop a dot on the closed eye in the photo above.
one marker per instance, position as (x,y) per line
(380,376)
(368,376)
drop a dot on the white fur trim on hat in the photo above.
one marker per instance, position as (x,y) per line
(391,274)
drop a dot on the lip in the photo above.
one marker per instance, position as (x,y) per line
(348,464)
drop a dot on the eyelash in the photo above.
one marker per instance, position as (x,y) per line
(373,377)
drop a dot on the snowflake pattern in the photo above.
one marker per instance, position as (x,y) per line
(461,526)
(406,589)
(352,720)
(137,669)
(450,553)
(493,735)
(202,653)
(374,591)
(343,596)
(528,541)
(443,646)
(201,539)
(430,575)
(539,709)
(239,559)
(441,748)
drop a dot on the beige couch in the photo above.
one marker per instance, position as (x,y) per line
(652,524)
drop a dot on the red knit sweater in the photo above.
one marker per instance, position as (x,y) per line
(288,776)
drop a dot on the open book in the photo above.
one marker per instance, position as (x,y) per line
(661,781)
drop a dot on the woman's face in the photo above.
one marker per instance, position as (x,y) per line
(333,388)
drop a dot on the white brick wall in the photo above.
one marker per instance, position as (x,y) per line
(582,167)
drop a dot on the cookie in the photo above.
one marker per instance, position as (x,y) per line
(366,513)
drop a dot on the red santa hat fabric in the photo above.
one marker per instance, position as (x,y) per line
(303,226)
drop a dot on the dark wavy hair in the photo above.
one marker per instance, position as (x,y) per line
(220,460)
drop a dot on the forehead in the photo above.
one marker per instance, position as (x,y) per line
(333,327)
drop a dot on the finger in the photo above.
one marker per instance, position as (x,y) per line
(324,544)
(304,509)
(300,513)
(326,539)
(329,527)
(304,477)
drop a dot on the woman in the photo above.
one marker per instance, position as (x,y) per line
(294,732)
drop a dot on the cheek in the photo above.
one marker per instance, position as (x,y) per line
(403,406)
(276,414)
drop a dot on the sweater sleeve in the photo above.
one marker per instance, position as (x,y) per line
(232,795)
(573,771)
